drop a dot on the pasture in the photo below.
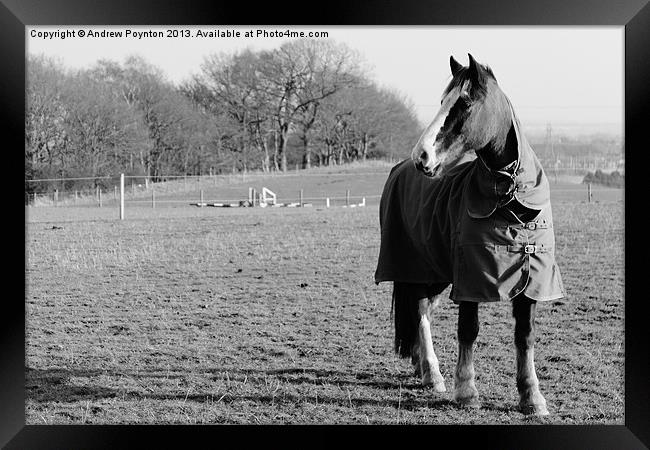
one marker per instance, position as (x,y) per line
(193,315)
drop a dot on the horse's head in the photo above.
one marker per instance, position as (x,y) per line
(474,115)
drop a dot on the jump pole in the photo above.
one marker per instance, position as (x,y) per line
(121,196)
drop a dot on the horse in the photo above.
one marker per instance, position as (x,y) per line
(470,208)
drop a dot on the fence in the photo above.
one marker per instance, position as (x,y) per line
(184,190)
(141,191)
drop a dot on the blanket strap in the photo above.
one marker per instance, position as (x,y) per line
(523,248)
(531,225)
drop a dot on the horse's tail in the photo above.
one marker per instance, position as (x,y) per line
(405,313)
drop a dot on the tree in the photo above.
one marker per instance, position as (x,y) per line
(45,136)
(176,127)
(230,88)
(366,121)
(101,132)
(298,76)
(242,111)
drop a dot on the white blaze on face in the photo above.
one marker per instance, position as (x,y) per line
(425,152)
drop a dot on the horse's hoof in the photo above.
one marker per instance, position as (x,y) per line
(468,402)
(437,383)
(534,410)
(438,386)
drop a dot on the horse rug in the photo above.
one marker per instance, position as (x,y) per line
(459,229)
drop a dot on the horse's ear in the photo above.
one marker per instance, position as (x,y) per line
(455,65)
(475,71)
(473,65)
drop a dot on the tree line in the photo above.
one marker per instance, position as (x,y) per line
(306,103)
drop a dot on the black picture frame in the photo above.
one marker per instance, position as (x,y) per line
(634,15)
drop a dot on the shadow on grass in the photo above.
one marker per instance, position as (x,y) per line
(54,385)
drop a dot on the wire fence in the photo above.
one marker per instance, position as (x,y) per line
(174,190)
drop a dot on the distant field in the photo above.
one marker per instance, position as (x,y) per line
(248,315)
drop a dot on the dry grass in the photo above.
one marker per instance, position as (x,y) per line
(208,315)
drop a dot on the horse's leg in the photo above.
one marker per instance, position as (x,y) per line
(427,361)
(465,392)
(531,400)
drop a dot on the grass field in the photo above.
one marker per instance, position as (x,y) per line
(249,315)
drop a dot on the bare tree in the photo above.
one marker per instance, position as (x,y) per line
(365,119)
(299,75)
(176,127)
(230,85)
(101,131)
(242,111)
(45,135)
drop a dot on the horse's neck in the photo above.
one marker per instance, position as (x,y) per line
(500,153)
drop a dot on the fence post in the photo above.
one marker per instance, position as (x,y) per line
(327,202)
(99,194)
(201,191)
(153,197)
(132,187)
(347,197)
(115,193)
(589,192)
(301,198)
(121,196)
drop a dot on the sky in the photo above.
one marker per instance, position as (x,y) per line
(569,77)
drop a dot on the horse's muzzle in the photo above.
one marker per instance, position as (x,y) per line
(419,165)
